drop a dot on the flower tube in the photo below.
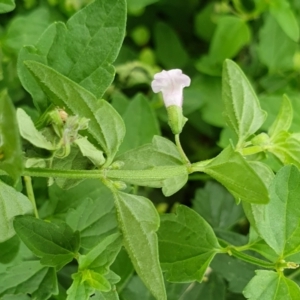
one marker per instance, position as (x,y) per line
(171,83)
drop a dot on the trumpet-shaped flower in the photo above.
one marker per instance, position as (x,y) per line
(171,84)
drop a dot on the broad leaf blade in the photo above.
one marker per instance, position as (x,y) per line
(83,49)
(29,277)
(187,244)
(139,221)
(216,205)
(230,169)
(12,203)
(140,122)
(56,244)
(105,125)
(278,223)
(242,109)
(94,219)
(268,285)
(10,150)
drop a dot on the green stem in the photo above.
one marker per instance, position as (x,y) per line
(30,194)
(250,259)
(180,149)
(157,173)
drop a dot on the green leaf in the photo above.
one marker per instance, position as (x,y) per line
(231,35)
(236,174)
(236,272)
(105,125)
(268,285)
(55,243)
(90,151)
(10,149)
(139,221)
(275,49)
(216,205)
(12,203)
(123,267)
(140,122)
(26,29)
(74,161)
(7,6)
(94,266)
(277,223)
(187,245)
(83,49)
(282,12)
(29,277)
(94,219)
(284,118)
(169,49)
(79,290)
(242,109)
(9,249)
(154,157)
(102,255)
(30,133)
(286,147)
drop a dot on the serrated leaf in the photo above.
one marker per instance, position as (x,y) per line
(105,125)
(278,222)
(284,118)
(83,49)
(242,109)
(30,133)
(10,149)
(267,285)
(139,221)
(12,203)
(283,13)
(230,169)
(140,122)
(94,219)
(216,205)
(55,243)
(7,6)
(187,244)
(29,277)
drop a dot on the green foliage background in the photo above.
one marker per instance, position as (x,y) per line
(262,37)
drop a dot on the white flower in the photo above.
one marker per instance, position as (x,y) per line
(171,84)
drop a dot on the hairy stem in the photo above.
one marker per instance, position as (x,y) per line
(30,194)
